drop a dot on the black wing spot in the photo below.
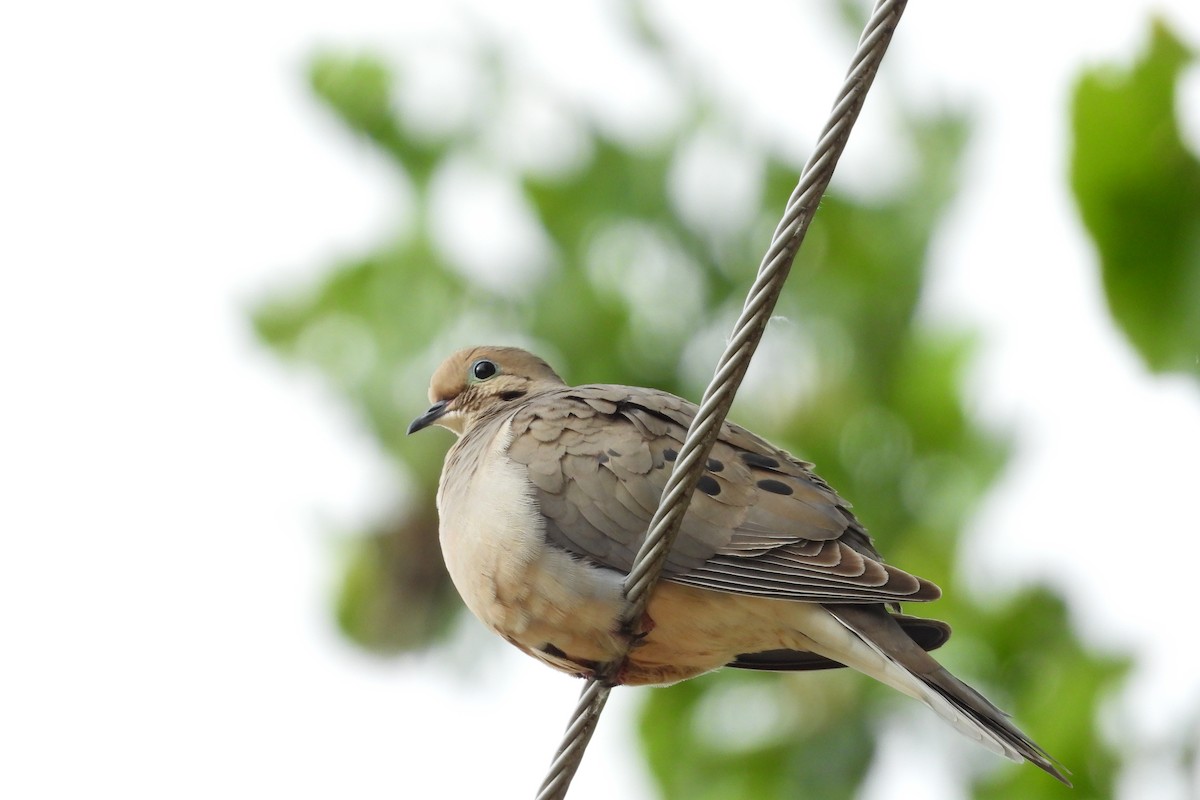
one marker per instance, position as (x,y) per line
(670,454)
(774,486)
(760,461)
(613,453)
(552,651)
(708,484)
(714,465)
(512,394)
(602,458)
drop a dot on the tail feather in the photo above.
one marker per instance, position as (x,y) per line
(911,670)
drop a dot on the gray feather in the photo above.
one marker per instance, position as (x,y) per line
(761,523)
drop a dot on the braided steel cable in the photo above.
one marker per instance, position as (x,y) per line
(731,369)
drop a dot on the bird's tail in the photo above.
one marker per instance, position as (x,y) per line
(906,667)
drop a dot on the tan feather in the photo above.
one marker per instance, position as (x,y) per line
(545,500)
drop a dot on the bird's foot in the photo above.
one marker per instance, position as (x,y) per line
(634,635)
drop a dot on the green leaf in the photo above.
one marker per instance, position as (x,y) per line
(359,89)
(395,594)
(1138,191)
(752,736)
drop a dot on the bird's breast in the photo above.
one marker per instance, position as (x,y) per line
(494,544)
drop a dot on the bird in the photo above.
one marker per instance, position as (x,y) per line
(548,491)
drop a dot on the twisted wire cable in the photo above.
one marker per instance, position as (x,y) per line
(731,369)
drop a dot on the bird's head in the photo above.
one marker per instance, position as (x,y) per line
(477,380)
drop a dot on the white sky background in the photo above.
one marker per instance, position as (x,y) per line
(172,495)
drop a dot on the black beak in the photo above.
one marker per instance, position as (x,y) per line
(429,417)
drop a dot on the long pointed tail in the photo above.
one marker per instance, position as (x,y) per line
(911,670)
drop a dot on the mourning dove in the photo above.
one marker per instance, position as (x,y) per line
(548,492)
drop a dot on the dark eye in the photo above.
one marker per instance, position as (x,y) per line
(484,369)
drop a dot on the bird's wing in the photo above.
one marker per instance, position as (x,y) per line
(760,523)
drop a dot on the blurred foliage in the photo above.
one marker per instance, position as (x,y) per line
(633,281)
(1138,190)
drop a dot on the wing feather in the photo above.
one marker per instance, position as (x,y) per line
(760,523)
